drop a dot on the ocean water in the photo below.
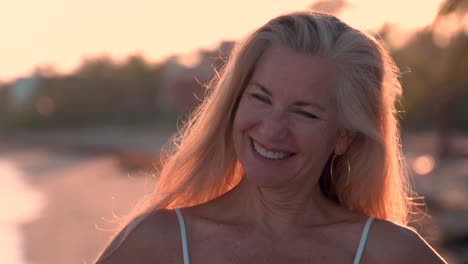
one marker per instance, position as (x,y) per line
(19,204)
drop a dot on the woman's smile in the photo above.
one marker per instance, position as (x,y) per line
(272,154)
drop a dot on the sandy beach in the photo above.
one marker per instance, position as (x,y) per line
(28,204)
(63,203)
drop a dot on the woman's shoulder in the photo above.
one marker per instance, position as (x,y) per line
(392,243)
(152,237)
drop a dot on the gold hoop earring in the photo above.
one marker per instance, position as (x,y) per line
(332,177)
(331,170)
(349,172)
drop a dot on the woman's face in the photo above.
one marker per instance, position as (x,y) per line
(286,126)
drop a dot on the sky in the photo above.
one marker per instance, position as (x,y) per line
(63,32)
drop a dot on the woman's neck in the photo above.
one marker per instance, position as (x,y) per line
(277,210)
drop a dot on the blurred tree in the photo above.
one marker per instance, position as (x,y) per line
(139,88)
(422,81)
(449,7)
(454,74)
(100,91)
(184,87)
(4,89)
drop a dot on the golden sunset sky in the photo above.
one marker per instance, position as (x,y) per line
(62,32)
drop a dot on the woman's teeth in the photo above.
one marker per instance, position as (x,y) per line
(270,155)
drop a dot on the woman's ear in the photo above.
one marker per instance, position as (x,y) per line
(344,140)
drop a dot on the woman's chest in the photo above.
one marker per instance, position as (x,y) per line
(228,246)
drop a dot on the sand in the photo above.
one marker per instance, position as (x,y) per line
(83,196)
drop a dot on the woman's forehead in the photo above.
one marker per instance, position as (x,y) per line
(283,69)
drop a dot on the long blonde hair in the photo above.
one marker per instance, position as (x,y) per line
(368,179)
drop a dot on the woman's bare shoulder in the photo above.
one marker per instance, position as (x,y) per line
(153,237)
(392,243)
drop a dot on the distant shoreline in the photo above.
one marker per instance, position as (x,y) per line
(21,204)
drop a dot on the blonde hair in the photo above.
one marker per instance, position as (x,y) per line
(368,178)
(203,164)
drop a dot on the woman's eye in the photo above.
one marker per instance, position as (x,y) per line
(261,98)
(307,114)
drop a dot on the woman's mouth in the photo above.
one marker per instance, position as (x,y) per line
(270,154)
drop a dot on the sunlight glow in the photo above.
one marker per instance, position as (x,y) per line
(424,164)
(61,33)
(45,106)
(18,205)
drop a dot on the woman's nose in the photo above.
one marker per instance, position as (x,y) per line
(274,126)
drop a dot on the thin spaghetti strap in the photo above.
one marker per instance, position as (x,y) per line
(183,235)
(362,243)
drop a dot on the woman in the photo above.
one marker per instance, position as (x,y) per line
(293,157)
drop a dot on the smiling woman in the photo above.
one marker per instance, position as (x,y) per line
(293,157)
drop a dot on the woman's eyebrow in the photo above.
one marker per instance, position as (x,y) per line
(261,86)
(296,103)
(311,104)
